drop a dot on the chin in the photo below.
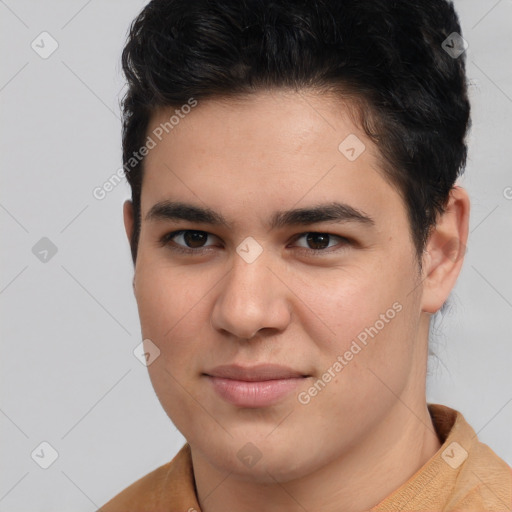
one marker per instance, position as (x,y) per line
(261,461)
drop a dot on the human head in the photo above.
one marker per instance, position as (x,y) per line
(264,145)
(408,93)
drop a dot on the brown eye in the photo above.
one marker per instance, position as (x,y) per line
(187,240)
(195,239)
(318,240)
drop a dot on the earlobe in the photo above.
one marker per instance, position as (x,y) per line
(445,250)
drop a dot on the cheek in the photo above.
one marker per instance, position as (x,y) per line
(165,296)
(173,307)
(172,316)
(353,301)
(374,346)
(369,324)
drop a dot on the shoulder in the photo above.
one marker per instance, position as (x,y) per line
(167,484)
(464,475)
(483,483)
(480,479)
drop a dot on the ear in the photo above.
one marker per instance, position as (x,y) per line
(129,225)
(128,219)
(445,250)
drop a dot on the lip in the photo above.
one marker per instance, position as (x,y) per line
(255,386)
(258,372)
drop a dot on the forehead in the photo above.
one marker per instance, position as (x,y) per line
(283,122)
(274,148)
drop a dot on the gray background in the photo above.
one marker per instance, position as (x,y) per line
(70,324)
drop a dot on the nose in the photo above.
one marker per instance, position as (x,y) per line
(251,299)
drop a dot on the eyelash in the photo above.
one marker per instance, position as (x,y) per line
(167,238)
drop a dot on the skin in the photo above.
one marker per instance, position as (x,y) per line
(369,429)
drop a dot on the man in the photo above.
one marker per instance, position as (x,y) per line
(295,223)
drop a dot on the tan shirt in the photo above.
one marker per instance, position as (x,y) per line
(464,475)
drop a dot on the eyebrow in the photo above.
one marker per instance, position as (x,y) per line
(330,212)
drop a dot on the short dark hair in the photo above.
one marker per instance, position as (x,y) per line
(386,56)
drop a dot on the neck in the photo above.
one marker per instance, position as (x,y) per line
(355,481)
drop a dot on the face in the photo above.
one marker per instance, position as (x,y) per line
(332,295)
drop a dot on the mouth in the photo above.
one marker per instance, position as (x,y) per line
(256,386)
